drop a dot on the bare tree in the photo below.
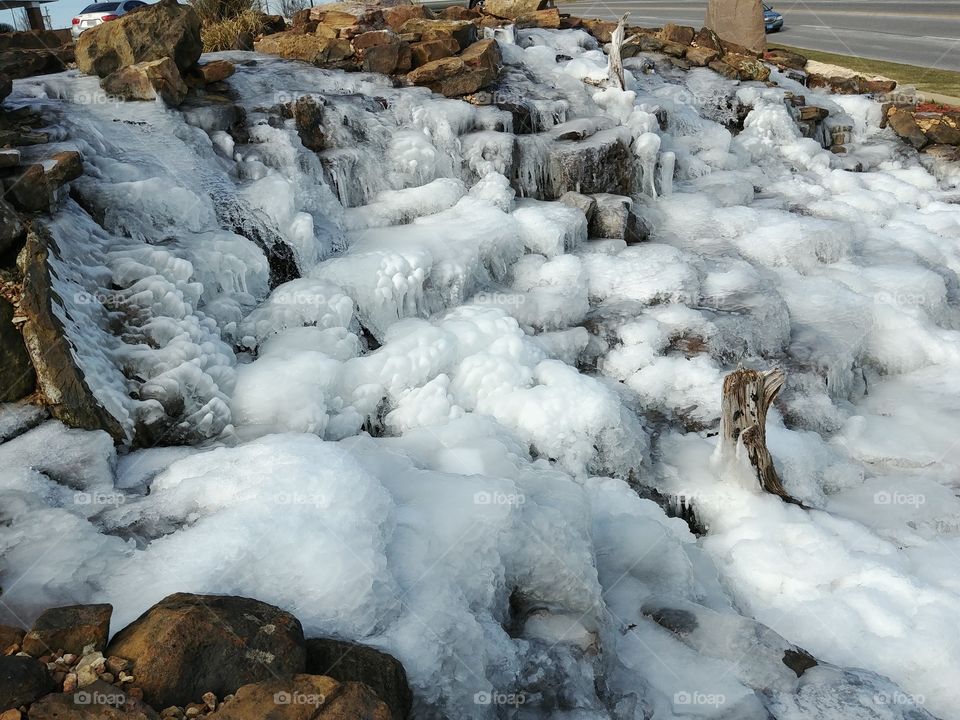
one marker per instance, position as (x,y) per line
(288,8)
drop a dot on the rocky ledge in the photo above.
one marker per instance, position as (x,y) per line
(230,658)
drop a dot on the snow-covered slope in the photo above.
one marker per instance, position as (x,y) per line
(433,439)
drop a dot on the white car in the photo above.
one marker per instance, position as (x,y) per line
(98,13)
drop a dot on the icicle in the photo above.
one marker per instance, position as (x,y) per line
(668,161)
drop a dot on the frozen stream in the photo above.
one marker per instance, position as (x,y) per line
(432,440)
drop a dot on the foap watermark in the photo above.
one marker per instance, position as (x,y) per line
(301,299)
(885,497)
(699,698)
(98,498)
(299,698)
(297,498)
(101,297)
(898,697)
(96,697)
(499,698)
(498,497)
(500,298)
(901,299)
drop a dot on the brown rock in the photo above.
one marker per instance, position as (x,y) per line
(304,697)
(11,240)
(374,38)
(147,81)
(308,117)
(381,58)
(673,49)
(17,380)
(309,48)
(22,680)
(396,16)
(216,71)
(97,701)
(701,57)
(164,29)
(351,662)
(748,67)
(947,153)
(548,19)
(348,15)
(187,645)
(512,9)
(463,31)
(425,52)
(682,34)
(10,635)
(641,43)
(70,628)
(940,128)
(602,30)
(6,86)
(458,12)
(786,59)
(904,125)
(707,38)
(812,113)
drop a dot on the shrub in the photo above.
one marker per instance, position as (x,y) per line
(226,34)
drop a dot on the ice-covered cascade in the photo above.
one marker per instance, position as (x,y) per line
(405,384)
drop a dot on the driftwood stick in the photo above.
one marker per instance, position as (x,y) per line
(747,395)
(615,63)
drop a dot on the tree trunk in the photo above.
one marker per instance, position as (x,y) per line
(615,65)
(747,394)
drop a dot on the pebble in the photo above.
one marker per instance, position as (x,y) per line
(117,665)
(172,712)
(68,659)
(107,677)
(11,650)
(125,677)
(210,700)
(192,711)
(10,715)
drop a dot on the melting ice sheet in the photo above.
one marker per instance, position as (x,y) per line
(430,437)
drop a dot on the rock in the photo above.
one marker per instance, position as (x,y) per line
(641,43)
(65,390)
(6,86)
(187,645)
(548,19)
(17,380)
(904,125)
(682,34)
(707,38)
(97,701)
(308,117)
(9,158)
(430,50)
(22,680)
(615,218)
(722,68)
(374,38)
(147,81)
(29,191)
(812,113)
(786,59)
(602,30)
(89,668)
(463,31)
(378,50)
(309,48)
(586,204)
(396,16)
(512,9)
(458,12)
(348,15)
(855,85)
(9,635)
(11,240)
(16,64)
(304,697)
(747,67)
(940,128)
(165,29)
(475,68)
(701,57)
(70,628)
(673,49)
(216,71)
(601,163)
(947,153)
(351,662)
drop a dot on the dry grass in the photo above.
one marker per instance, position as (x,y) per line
(223,34)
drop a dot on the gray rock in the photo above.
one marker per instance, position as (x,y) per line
(22,680)
(586,204)
(615,217)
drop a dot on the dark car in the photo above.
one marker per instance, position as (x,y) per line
(772,19)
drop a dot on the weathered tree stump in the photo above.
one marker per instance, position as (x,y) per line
(615,63)
(747,394)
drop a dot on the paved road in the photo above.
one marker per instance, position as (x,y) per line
(917,33)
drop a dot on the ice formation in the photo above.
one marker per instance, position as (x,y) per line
(410,399)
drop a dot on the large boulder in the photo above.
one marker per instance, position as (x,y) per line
(17,378)
(165,29)
(97,701)
(22,680)
(70,628)
(396,16)
(34,188)
(512,9)
(187,645)
(739,22)
(304,697)
(314,49)
(59,377)
(147,81)
(352,662)
(477,67)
